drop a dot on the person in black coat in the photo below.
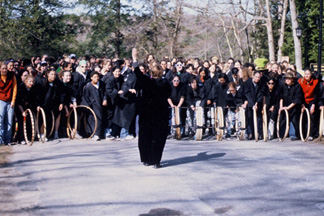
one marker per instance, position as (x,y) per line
(254,92)
(94,97)
(27,97)
(68,98)
(79,79)
(233,100)
(50,98)
(113,94)
(177,98)
(272,97)
(291,97)
(153,116)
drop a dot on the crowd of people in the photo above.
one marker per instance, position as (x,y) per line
(118,90)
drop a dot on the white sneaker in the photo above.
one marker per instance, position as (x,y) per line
(23,142)
(78,136)
(96,138)
(117,138)
(129,137)
(42,137)
(110,137)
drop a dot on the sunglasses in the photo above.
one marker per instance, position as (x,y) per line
(178,65)
(270,83)
(176,80)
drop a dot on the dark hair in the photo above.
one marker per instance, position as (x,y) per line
(234,71)
(94,73)
(188,66)
(238,62)
(224,76)
(230,58)
(176,75)
(194,78)
(218,69)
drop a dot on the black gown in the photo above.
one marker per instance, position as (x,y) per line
(28,100)
(153,117)
(93,98)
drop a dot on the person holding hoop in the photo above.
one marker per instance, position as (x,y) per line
(272,103)
(27,97)
(94,97)
(254,92)
(310,87)
(291,99)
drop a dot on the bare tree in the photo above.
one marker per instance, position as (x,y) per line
(282,29)
(298,50)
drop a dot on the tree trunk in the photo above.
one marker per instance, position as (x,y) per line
(173,50)
(117,31)
(239,40)
(298,50)
(282,30)
(227,38)
(270,33)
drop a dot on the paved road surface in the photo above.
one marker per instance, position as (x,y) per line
(198,178)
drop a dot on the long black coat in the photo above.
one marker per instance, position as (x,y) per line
(254,94)
(192,96)
(78,82)
(112,87)
(153,117)
(93,98)
(219,94)
(126,107)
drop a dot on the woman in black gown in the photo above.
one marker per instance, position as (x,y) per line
(153,116)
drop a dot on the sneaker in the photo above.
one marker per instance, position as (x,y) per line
(96,138)
(117,138)
(78,136)
(129,137)
(310,138)
(56,135)
(110,137)
(23,142)
(42,137)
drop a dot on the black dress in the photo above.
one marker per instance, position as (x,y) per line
(153,118)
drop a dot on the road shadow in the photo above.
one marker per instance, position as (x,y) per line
(202,156)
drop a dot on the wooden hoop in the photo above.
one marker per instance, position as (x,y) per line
(240,128)
(265,124)
(199,123)
(95,117)
(30,113)
(301,125)
(72,132)
(321,125)
(177,123)
(16,128)
(255,122)
(37,125)
(219,123)
(287,126)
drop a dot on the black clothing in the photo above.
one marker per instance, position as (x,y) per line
(192,96)
(113,85)
(93,97)
(153,117)
(292,94)
(177,93)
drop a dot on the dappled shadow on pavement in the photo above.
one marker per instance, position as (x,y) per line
(202,156)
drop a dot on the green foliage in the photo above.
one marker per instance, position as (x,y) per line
(35,27)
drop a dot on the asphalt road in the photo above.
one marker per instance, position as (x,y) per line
(198,178)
